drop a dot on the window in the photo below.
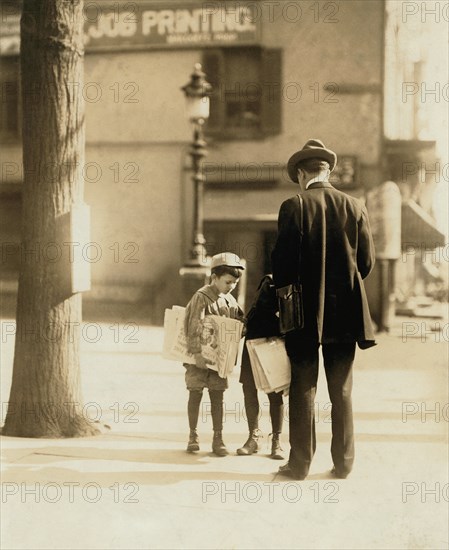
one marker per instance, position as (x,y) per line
(246,96)
(9,80)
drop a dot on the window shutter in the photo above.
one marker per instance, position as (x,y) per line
(214,67)
(272,91)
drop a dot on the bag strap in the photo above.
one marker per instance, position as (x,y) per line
(301,230)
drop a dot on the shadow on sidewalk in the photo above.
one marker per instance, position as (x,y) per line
(44,465)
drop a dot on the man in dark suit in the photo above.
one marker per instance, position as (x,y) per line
(337,252)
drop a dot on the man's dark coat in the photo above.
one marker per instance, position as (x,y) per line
(337,252)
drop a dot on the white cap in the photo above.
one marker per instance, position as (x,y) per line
(226,258)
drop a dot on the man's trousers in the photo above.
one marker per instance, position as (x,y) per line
(338,361)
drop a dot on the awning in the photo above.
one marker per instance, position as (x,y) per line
(418,227)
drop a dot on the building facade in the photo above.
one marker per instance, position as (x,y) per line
(282,72)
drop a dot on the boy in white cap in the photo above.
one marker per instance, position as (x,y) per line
(212,299)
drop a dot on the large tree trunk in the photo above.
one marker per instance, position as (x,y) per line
(45,399)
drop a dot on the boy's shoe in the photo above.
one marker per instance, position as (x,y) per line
(251,445)
(194,444)
(218,447)
(276,448)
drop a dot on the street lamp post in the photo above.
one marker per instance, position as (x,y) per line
(196,269)
(197,93)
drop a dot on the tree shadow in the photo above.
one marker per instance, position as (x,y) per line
(172,466)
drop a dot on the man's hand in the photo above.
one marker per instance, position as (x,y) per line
(201,362)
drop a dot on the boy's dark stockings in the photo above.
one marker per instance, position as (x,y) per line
(252,408)
(193,408)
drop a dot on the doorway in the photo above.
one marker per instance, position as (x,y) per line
(252,241)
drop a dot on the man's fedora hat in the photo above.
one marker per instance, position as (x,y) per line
(314,148)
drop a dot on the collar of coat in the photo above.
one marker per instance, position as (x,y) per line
(213,295)
(209,291)
(320,185)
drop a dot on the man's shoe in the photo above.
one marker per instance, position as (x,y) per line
(194,444)
(218,447)
(286,471)
(338,474)
(276,448)
(251,445)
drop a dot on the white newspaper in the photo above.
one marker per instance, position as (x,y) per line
(259,376)
(220,338)
(270,364)
(175,343)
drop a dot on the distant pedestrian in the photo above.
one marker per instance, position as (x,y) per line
(334,247)
(262,322)
(212,299)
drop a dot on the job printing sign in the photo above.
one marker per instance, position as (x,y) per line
(137,26)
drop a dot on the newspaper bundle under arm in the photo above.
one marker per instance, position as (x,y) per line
(220,338)
(270,364)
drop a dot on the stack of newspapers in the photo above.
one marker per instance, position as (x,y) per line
(220,338)
(270,364)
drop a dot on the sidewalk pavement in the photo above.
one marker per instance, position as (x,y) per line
(135,486)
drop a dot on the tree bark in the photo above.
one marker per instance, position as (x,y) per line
(45,398)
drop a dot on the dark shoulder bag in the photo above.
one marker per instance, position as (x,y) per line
(291,314)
